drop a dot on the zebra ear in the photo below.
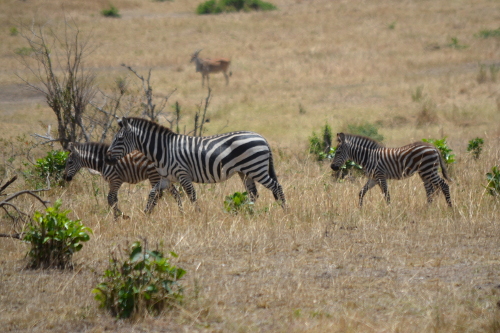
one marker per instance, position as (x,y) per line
(123,122)
(340,137)
(71,147)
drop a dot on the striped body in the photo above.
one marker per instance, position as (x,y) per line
(132,168)
(381,163)
(187,159)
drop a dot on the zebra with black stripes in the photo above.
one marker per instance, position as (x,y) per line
(381,163)
(188,159)
(132,168)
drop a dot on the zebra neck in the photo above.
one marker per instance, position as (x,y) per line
(154,143)
(363,156)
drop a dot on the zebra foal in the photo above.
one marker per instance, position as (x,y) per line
(187,159)
(381,163)
(132,168)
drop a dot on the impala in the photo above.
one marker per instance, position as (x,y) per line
(206,66)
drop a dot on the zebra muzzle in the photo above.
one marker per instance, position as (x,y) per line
(335,167)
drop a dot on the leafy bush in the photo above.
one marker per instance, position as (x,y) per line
(239,202)
(442,146)
(487,33)
(322,149)
(220,6)
(54,238)
(475,147)
(321,146)
(112,11)
(144,281)
(365,129)
(50,168)
(493,178)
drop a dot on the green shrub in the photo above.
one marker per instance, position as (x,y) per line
(320,146)
(475,147)
(366,129)
(239,202)
(112,11)
(13,31)
(487,33)
(322,149)
(220,6)
(54,238)
(493,179)
(50,168)
(442,146)
(144,282)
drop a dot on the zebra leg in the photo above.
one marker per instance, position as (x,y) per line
(275,187)
(369,184)
(432,187)
(446,191)
(153,196)
(250,187)
(177,196)
(382,182)
(113,199)
(187,185)
(430,190)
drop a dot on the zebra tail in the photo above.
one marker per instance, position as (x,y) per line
(443,167)
(272,172)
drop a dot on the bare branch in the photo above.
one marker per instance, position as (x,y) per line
(13,179)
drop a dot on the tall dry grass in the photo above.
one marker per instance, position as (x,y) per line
(324,265)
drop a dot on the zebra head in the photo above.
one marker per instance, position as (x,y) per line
(123,143)
(73,163)
(341,153)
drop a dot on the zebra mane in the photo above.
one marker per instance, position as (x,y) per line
(148,123)
(367,142)
(92,146)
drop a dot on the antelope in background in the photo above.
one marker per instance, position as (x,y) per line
(206,66)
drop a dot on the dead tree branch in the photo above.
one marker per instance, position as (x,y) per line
(69,93)
(7,201)
(150,109)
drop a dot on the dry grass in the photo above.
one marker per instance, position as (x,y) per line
(324,265)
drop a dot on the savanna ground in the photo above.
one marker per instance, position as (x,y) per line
(324,265)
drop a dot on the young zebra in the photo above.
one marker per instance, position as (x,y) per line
(187,159)
(382,163)
(132,168)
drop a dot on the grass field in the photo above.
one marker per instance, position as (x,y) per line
(324,265)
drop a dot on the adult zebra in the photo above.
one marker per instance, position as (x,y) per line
(381,163)
(132,168)
(187,159)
